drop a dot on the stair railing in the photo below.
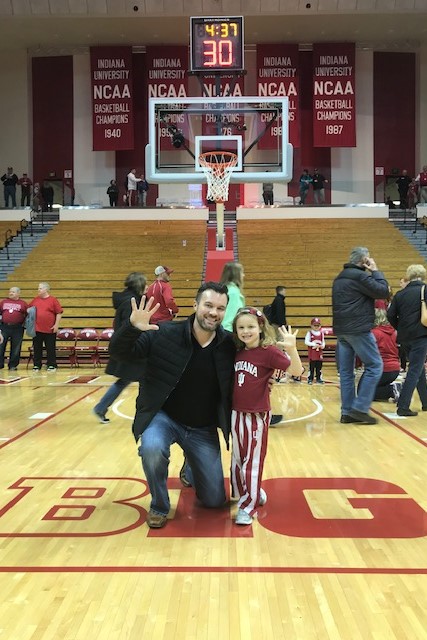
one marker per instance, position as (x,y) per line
(7,239)
(23,225)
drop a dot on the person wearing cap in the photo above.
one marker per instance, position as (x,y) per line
(161,291)
(315,341)
(354,292)
(10,180)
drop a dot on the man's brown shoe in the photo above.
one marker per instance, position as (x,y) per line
(156,520)
(184,480)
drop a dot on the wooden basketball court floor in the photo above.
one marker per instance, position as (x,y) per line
(338,552)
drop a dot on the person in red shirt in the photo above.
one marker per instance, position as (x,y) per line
(421,181)
(161,291)
(48,316)
(385,336)
(12,311)
(256,359)
(26,185)
(315,341)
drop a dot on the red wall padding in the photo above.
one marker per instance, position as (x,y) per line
(394,112)
(307,156)
(52,84)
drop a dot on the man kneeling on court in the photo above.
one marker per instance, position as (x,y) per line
(185,396)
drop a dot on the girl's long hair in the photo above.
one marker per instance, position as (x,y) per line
(266,332)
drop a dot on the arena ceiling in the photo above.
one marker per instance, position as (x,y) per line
(52,25)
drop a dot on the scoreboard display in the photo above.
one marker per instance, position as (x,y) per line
(216,44)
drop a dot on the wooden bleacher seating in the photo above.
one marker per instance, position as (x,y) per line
(305,256)
(85,261)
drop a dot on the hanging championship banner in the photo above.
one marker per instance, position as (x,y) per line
(167,78)
(334,95)
(223,124)
(278,75)
(112,104)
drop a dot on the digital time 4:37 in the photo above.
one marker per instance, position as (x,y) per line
(216,44)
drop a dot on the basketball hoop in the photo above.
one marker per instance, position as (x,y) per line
(217,167)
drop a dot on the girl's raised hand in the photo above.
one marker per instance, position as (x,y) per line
(288,340)
(140,316)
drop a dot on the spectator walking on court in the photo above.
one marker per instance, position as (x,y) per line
(125,372)
(354,292)
(404,314)
(161,291)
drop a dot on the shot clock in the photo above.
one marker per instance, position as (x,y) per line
(216,44)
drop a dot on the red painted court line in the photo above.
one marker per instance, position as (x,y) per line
(39,424)
(304,570)
(398,426)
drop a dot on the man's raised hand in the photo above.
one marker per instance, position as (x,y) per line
(140,316)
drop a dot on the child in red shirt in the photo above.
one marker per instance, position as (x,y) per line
(315,341)
(255,362)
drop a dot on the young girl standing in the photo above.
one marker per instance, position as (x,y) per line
(255,362)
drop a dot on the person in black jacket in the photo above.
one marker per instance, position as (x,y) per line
(185,396)
(113,193)
(278,308)
(403,183)
(404,314)
(10,180)
(354,291)
(126,372)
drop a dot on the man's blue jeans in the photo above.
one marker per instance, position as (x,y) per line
(416,352)
(110,395)
(202,450)
(365,347)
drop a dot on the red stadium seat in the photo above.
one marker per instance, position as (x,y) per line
(87,346)
(65,350)
(103,343)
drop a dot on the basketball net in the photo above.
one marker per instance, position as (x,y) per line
(217,167)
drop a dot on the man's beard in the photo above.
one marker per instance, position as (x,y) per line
(206,325)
